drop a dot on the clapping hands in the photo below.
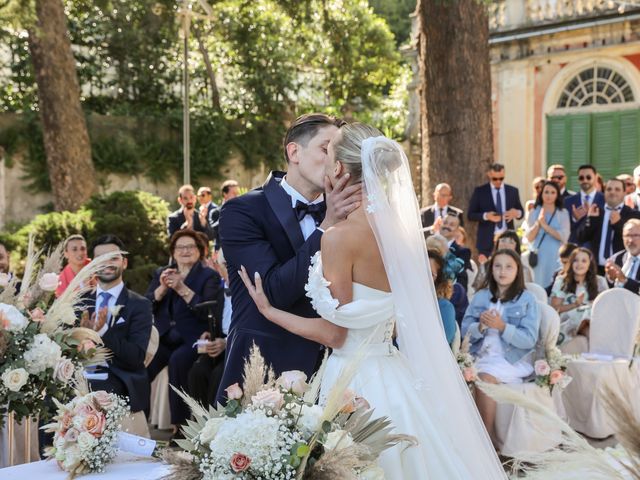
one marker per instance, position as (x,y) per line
(492,319)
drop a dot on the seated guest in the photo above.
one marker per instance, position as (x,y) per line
(547,227)
(449,230)
(507,240)
(175,291)
(126,333)
(75,254)
(434,215)
(623,269)
(602,228)
(564,252)
(206,372)
(461,238)
(503,322)
(444,289)
(572,294)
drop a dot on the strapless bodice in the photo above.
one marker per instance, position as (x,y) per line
(369,317)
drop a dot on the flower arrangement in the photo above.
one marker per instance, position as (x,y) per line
(272,429)
(551,370)
(40,350)
(86,431)
(467,363)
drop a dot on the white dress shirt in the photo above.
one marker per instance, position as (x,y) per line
(439,212)
(630,267)
(583,197)
(115,293)
(307,224)
(500,226)
(602,258)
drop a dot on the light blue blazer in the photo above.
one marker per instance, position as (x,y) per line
(522,317)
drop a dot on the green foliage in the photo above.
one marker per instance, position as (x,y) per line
(137,218)
(273,60)
(396,13)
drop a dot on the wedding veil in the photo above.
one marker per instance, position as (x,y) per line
(394,215)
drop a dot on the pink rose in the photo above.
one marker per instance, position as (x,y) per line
(5,278)
(555,376)
(469,374)
(86,408)
(64,370)
(240,462)
(37,315)
(49,282)
(95,424)
(348,401)
(294,381)
(86,345)
(542,368)
(234,392)
(270,398)
(71,435)
(103,399)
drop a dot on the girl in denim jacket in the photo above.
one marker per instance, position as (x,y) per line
(502,322)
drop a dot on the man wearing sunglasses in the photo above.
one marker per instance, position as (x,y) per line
(495,205)
(578,205)
(556,173)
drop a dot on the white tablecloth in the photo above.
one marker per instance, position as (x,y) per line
(124,467)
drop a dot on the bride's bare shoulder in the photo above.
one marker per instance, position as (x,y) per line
(343,235)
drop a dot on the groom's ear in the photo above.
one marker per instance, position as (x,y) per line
(292,152)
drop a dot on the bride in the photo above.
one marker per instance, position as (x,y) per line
(372,274)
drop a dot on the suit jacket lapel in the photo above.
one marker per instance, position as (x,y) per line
(122,301)
(280,203)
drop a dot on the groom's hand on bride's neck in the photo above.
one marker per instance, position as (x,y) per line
(341,199)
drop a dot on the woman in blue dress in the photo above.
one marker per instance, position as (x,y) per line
(547,228)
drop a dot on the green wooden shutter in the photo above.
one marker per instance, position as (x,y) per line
(629,146)
(569,143)
(605,147)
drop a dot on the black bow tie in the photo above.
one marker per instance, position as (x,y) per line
(316,210)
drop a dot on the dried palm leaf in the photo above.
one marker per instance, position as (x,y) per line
(577,459)
(184,468)
(627,426)
(339,464)
(33,256)
(375,434)
(63,310)
(80,383)
(256,375)
(53,262)
(9,294)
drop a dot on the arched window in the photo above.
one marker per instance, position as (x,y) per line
(597,85)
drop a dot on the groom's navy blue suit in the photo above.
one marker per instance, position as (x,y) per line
(260,231)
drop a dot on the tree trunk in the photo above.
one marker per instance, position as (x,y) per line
(66,139)
(455,97)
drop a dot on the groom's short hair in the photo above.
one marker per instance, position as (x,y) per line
(305,127)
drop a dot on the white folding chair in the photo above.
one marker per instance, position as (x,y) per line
(538,292)
(615,321)
(519,430)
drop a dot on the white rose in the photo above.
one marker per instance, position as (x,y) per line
(49,282)
(15,321)
(72,459)
(5,278)
(86,441)
(64,370)
(15,379)
(372,473)
(293,380)
(43,353)
(310,418)
(338,438)
(542,368)
(210,430)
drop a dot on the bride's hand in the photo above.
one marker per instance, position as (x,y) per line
(256,292)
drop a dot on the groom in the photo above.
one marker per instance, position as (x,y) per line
(275,230)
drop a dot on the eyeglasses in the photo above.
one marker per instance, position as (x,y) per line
(557,177)
(629,184)
(585,177)
(204,194)
(185,248)
(497,179)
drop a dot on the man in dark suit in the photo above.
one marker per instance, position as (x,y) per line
(557,173)
(495,205)
(186,216)
(230,189)
(578,205)
(449,230)
(433,215)
(602,228)
(206,207)
(623,269)
(275,230)
(123,319)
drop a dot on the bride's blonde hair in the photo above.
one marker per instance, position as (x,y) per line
(348,147)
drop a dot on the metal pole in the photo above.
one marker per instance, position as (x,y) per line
(10,427)
(185,96)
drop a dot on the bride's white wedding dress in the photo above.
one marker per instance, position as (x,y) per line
(384,380)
